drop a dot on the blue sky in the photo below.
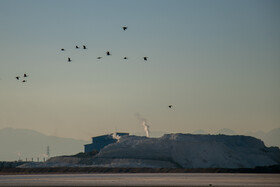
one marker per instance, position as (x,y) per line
(217,62)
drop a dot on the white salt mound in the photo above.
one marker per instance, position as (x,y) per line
(188,151)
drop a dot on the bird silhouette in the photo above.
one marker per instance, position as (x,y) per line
(125,58)
(99,57)
(62,49)
(170,106)
(77,47)
(25,75)
(108,53)
(84,47)
(145,58)
(17,77)
(69,60)
(124,28)
(24,81)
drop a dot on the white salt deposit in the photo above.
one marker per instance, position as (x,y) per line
(188,151)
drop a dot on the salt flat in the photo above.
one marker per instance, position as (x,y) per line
(147,179)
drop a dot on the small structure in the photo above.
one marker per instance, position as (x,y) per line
(99,142)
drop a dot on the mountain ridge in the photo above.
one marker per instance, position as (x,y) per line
(22,144)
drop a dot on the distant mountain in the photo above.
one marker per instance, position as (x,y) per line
(226,131)
(200,131)
(18,144)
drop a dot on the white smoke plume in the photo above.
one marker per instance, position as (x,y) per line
(115,136)
(44,155)
(19,155)
(146,128)
(144,124)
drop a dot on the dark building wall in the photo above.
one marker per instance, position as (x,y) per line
(101,141)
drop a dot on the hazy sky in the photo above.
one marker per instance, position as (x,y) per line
(217,62)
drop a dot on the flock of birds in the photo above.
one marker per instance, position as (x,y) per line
(108,53)
(24,76)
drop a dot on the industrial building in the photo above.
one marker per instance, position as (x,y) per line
(99,142)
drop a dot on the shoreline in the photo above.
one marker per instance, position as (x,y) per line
(80,170)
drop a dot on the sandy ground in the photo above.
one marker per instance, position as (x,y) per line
(166,179)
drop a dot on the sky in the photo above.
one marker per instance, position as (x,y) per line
(217,62)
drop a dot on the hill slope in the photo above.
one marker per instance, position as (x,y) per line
(271,138)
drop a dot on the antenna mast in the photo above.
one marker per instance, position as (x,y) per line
(48,151)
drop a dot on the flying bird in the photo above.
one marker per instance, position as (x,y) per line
(124,28)
(99,57)
(17,77)
(69,60)
(25,75)
(24,81)
(84,47)
(170,106)
(77,47)
(108,53)
(145,58)
(125,58)
(62,49)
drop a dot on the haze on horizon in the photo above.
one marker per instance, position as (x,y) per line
(216,62)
